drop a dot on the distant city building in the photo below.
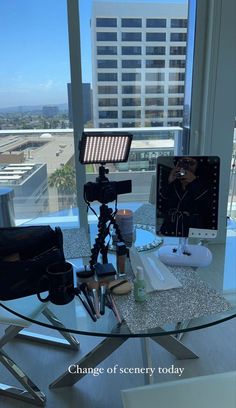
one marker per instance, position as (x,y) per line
(8,157)
(87,113)
(70,113)
(86,90)
(55,149)
(50,111)
(29,182)
(138,63)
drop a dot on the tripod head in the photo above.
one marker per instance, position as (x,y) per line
(102,171)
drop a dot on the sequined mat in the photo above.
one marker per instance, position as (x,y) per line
(194,299)
(76,243)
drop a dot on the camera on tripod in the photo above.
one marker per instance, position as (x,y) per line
(101,148)
(105,147)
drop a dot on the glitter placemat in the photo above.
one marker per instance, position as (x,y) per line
(145,215)
(76,243)
(194,299)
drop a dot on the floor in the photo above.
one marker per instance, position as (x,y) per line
(215,346)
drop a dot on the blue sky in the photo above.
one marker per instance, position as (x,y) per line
(34,50)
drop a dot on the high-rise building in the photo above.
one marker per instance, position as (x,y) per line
(87,113)
(138,63)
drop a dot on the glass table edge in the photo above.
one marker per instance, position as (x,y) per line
(223,317)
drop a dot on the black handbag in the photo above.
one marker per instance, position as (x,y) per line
(25,253)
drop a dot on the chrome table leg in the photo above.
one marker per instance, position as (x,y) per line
(90,360)
(174,346)
(181,325)
(147,359)
(10,332)
(68,341)
(30,393)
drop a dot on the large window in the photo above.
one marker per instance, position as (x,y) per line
(125,54)
(35,92)
(177,63)
(131,63)
(176,101)
(107,102)
(177,76)
(126,50)
(131,114)
(154,89)
(131,22)
(106,22)
(106,50)
(155,63)
(145,55)
(177,50)
(155,37)
(107,76)
(131,36)
(155,50)
(130,124)
(36,89)
(131,89)
(154,113)
(155,76)
(178,37)
(176,89)
(154,101)
(156,22)
(179,23)
(108,114)
(106,36)
(107,89)
(131,101)
(178,113)
(108,125)
(131,76)
(107,63)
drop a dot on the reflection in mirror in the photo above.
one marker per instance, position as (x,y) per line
(187,200)
(187,194)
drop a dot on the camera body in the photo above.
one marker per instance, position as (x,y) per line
(106,191)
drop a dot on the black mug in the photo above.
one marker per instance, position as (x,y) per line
(60,283)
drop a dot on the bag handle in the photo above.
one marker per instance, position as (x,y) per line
(46,299)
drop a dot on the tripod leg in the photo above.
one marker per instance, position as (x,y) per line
(99,245)
(117,228)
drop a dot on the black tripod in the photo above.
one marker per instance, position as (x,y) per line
(106,215)
(104,191)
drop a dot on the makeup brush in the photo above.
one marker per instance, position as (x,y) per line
(103,289)
(113,306)
(85,304)
(84,288)
(93,287)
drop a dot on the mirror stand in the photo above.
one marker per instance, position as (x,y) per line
(185,254)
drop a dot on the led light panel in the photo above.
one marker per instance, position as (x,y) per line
(104,147)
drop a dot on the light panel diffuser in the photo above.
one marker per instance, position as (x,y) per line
(104,147)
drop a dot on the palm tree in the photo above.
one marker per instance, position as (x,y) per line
(64,180)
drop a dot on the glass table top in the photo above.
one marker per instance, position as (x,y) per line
(207,297)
